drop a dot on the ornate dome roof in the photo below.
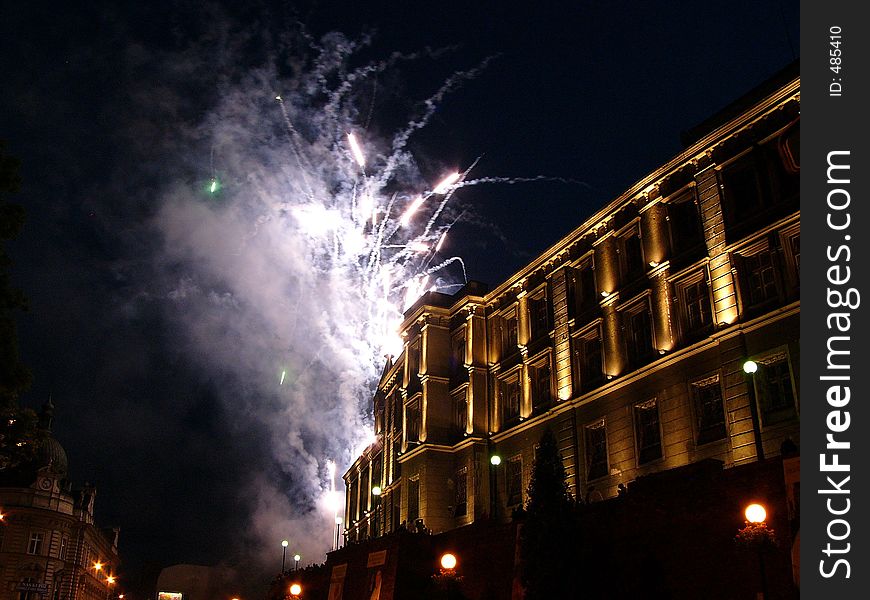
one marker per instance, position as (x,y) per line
(52,455)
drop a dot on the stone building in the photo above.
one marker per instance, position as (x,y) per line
(50,545)
(628,338)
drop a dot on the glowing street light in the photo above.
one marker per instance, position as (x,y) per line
(295,589)
(755,513)
(284,544)
(750,367)
(296,558)
(448,561)
(98,566)
(495,460)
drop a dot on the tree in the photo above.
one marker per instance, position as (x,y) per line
(548,539)
(18,427)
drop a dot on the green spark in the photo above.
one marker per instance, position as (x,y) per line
(283,375)
(214,186)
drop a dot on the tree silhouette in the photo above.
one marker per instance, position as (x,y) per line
(18,431)
(548,539)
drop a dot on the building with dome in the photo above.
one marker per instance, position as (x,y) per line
(50,546)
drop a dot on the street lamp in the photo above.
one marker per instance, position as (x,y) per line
(376,492)
(295,589)
(756,535)
(495,461)
(448,561)
(750,367)
(296,558)
(284,544)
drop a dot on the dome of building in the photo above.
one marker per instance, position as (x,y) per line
(52,455)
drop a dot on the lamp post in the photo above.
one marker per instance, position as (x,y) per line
(295,590)
(284,544)
(110,581)
(750,367)
(495,461)
(376,492)
(756,535)
(447,579)
(296,558)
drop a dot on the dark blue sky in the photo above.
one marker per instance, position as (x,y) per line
(594,92)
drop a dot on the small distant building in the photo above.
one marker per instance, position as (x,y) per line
(50,545)
(194,582)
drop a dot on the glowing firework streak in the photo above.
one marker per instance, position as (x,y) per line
(445,184)
(440,242)
(356,150)
(283,375)
(409,212)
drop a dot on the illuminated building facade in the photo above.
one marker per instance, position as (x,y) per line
(50,546)
(627,338)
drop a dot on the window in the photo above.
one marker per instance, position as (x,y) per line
(581,289)
(588,365)
(509,339)
(397,412)
(514,483)
(638,334)
(457,358)
(413,500)
(510,398)
(685,223)
(760,278)
(538,318)
(742,189)
(709,411)
(596,450)
(63,548)
(649,438)
(460,402)
(365,492)
(461,500)
(631,255)
(414,367)
(412,421)
(774,389)
(694,303)
(540,380)
(35,544)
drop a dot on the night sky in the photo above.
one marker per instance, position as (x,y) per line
(110,105)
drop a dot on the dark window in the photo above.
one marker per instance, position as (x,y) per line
(540,379)
(697,306)
(35,544)
(587,362)
(457,358)
(538,321)
(352,490)
(413,500)
(364,492)
(649,440)
(509,339)
(632,256)
(510,399)
(639,337)
(709,412)
(461,419)
(685,222)
(413,421)
(742,190)
(596,450)
(581,290)
(397,412)
(760,277)
(514,484)
(775,391)
(414,367)
(461,492)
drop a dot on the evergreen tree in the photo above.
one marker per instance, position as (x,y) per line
(548,540)
(18,427)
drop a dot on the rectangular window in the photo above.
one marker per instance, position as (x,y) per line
(685,223)
(649,437)
(365,492)
(510,399)
(514,483)
(742,190)
(695,305)
(760,277)
(774,389)
(414,367)
(709,410)
(631,256)
(35,544)
(509,338)
(413,501)
(538,317)
(460,401)
(581,289)
(588,365)
(63,548)
(540,380)
(638,337)
(461,506)
(412,421)
(596,450)
(457,358)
